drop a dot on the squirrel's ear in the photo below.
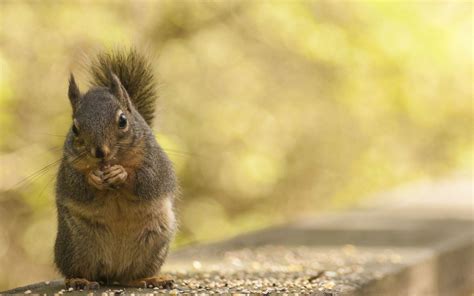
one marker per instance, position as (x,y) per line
(119,91)
(73,92)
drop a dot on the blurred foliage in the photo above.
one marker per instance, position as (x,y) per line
(270,110)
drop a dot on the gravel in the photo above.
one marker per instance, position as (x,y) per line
(263,270)
(274,269)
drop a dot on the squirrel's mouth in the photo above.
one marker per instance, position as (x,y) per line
(102,164)
(88,162)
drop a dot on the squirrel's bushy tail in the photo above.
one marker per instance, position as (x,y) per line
(135,73)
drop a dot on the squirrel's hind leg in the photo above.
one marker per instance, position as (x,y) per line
(162,281)
(81,284)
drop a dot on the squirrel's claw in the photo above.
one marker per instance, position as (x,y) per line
(115,175)
(81,284)
(109,178)
(162,281)
(94,178)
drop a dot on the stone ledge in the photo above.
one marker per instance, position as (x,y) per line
(386,249)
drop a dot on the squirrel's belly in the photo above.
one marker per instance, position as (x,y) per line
(122,254)
(127,240)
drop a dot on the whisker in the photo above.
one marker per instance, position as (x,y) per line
(41,172)
(55,148)
(53,135)
(77,158)
(35,175)
(180,152)
(164,149)
(45,186)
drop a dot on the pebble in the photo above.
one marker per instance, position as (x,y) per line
(329,285)
(28,292)
(197,265)
(330,274)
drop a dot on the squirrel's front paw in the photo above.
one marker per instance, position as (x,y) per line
(96,179)
(115,176)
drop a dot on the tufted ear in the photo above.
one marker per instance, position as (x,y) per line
(73,93)
(119,91)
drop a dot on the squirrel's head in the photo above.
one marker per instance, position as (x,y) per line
(102,120)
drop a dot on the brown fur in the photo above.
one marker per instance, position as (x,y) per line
(120,231)
(115,187)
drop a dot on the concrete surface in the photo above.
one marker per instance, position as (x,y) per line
(416,240)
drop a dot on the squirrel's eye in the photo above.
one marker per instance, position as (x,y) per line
(122,121)
(75,130)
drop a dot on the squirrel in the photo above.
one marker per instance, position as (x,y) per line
(115,186)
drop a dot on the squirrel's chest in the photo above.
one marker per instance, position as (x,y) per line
(123,218)
(115,211)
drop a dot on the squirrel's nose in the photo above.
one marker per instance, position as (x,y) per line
(100,152)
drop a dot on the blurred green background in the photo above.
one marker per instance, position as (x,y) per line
(270,110)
